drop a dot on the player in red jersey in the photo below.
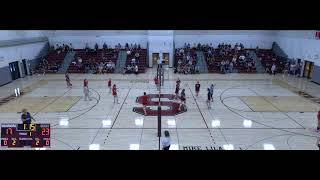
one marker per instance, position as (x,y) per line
(114,93)
(156,82)
(68,80)
(144,100)
(109,85)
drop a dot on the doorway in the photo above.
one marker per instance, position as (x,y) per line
(14,69)
(155,57)
(308,67)
(166,58)
(24,62)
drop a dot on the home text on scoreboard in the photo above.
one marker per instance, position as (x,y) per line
(21,135)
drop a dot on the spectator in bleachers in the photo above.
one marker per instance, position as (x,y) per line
(222,65)
(71,48)
(234,60)
(137,55)
(231,67)
(241,46)
(133,61)
(128,52)
(96,47)
(139,47)
(136,69)
(104,46)
(273,69)
(87,47)
(100,67)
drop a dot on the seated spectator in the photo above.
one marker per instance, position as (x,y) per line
(239,47)
(137,55)
(136,69)
(79,60)
(128,52)
(242,57)
(133,62)
(231,67)
(100,68)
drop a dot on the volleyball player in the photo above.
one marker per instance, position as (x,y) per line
(197,88)
(86,90)
(68,80)
(114,93)
(109,85)
(183,99)
(144,100)
(212,91)
(209,98)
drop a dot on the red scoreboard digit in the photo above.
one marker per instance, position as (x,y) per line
(20,135)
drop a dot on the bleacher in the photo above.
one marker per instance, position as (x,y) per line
(53,59)
(215,68)
(93,58)
(178,56)
(266,56)
(142,59)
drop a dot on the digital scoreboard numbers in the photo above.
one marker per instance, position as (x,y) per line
(22,135)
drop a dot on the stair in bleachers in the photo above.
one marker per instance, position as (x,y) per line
(122,59)
(201,62)
(66,62)
(259,66)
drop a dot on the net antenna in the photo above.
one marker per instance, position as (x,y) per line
(160,78)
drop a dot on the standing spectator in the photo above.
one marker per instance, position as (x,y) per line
(197,88)
(104,46)
(166,141)
(96,47)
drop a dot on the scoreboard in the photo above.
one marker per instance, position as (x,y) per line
(21,135)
